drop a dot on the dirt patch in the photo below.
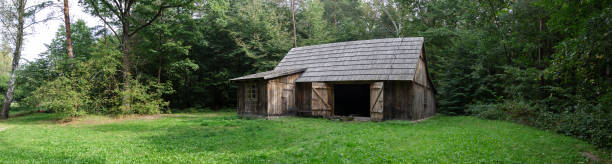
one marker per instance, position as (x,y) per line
(2,129)
(106,120)
(27,113)
(421,120)
(591,156)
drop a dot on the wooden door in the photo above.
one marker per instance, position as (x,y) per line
(321,94)
(288,99)
(376,101)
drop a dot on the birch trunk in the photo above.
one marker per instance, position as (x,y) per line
(8,98)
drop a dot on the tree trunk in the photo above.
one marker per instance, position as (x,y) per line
(293,21)
(159,70)
(68,32)
(335,17)
(395,25)
(8,99)
(539,42)
(125,63)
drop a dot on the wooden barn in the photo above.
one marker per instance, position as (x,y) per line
(382,79)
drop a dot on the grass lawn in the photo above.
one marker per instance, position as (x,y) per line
(220,137)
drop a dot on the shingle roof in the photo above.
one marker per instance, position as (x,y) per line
(378,59)
(269,74)
(363,60)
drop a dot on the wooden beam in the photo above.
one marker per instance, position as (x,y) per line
(319,96)
(376,101)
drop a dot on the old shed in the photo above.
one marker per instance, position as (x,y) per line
(381,79)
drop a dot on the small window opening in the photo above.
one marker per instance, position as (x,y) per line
(251,92)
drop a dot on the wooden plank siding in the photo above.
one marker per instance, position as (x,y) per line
(303,98)
(376,101)
(281,95)
(322,99)
(252,108)
(424,101)
(412,100)
(397,100)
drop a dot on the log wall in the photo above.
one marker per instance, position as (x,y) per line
(281,95)
(252,108)
(303,98)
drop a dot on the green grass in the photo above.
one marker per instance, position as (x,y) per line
(215,137)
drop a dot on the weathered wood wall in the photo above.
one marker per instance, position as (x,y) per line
(322,99)
(281,95)
(376,101)
(412,100)
(303,98)
(397,100)
(424,99)
(252,108)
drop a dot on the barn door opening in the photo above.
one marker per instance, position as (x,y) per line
(352,100)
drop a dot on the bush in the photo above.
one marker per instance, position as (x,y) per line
(62,95)
(587,122)
(487,111)
(502,111)
(595,127)
(144,99)
(95,88)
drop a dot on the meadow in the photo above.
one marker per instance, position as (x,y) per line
(223,137)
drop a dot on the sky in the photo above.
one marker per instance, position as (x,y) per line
(43,33)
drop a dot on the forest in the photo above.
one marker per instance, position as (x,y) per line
(541,63)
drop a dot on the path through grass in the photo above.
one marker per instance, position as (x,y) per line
(223,137)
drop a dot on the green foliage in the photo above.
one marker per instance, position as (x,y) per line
(62,95)
(317,28)
(93,88)
(5,58)
(145,99)
(223,137)
(54,63)
(487,111)
(585,122)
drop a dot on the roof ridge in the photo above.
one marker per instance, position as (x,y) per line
(355,41)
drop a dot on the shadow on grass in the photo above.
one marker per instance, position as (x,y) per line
(219,135)
(36,118)
(28,155)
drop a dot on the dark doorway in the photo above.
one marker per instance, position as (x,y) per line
(352,100)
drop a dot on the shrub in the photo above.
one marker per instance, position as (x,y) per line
(587,122)
(63,96)
(595,127)
(144,99)
(487,111)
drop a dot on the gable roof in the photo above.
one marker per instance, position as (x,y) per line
(364,60)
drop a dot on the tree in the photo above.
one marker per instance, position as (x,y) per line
(131,16)
(293,23)
(314,25)
(16,16)
(67,24)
